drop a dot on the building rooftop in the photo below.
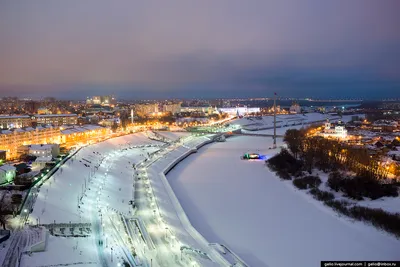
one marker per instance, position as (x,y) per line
(40,147)
(14,116)
(27,129)
(7,168)
(43,159)
(80,129)
(56,115)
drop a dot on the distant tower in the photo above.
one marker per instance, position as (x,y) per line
(274,145)
(132,115)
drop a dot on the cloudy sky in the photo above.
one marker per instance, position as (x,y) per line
(207,48)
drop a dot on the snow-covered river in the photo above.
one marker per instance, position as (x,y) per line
(263,219)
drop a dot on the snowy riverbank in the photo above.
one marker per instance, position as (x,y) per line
(244,205)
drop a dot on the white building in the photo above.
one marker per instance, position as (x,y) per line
(146,109)
(40,162)
(47,150)
(335,131)
(207,110)
(7,173)
(295,108)
(172,107)
(241,111)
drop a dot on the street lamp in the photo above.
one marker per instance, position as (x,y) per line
(173,240)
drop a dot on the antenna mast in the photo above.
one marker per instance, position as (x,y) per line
(274,145)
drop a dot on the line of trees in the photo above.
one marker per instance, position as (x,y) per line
(328,155)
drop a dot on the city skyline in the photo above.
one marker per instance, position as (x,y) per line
(200,50)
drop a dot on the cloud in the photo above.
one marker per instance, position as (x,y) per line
(219,46)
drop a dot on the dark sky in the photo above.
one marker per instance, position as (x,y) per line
(203,48)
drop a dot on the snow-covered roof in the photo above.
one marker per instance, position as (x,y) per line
(80,129)
(394,152)
(6,132)
(43,159)
(91,127)
(14,117)
(57,115)
(68,131)
(7,168)
(40,147)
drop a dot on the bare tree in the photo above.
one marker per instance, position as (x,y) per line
(5,210)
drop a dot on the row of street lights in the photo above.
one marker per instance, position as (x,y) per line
(159,219)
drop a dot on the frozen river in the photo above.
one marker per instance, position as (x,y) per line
(263,219)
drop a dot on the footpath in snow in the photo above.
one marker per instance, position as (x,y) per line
(57,200)
(58,197)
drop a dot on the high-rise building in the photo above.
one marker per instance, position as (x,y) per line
(172,107)
(106,100)
(146,109)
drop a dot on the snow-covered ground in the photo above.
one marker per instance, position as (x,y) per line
(167,216)
(57,199)
(279,131)
(62,251)
(264,220)
(286,121)
(112,183)
(389,204)
(111,188)
(173,135)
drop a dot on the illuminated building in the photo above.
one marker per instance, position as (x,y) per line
(43,150)
(83,135)
(7,173)
(173,108)
(11,122)
(56,119)
(109,122)
(295,108)
(101,100)
(146,109)
(7,122)
(337,131)
(43,111)
(239,111)
(12,140)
